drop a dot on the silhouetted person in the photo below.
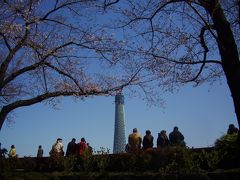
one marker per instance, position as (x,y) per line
(89,148)
(40,152)
(134,141)
(176,138)
(12,152)
(147,140)
(71,147)
(127,148)
(232,129)
(162,140)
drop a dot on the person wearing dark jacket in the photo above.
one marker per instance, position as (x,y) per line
(71,148)
(148,140)
(40,152)
(176,138)
(162,140)
(232,129)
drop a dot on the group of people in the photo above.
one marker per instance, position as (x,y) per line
(175,138)
(73,148)
(135,141)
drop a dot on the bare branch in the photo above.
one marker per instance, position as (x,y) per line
(5,63)
(109,3)
(206,23)
(55,9)
(65,74)
(204,56)
(187,62)
(6,41)
(13,75)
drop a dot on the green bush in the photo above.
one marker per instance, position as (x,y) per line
(56,164)
(70,163)
(228,151)
(11,164)
(170,160)
(179,160)
(206,160)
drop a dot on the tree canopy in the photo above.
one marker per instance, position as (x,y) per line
(182,41)
(82,48)
(57,48)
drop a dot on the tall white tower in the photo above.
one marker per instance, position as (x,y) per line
(119,128)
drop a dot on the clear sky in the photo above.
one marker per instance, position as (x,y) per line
(202,115)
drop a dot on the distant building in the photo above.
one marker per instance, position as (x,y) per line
(119,128)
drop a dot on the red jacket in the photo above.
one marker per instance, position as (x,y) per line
(81,147)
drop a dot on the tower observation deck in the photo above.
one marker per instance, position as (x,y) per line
(119,127)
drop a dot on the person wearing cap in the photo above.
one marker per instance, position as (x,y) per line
(134,141)
(57,148)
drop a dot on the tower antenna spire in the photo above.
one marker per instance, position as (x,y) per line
(119,127)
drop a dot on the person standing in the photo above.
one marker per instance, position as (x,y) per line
(12,152)
(82,146)
(71,147)
(89,148)
(147,140)
(57,149)
(40,152)
(134,141)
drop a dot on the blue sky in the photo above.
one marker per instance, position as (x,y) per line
(202,115)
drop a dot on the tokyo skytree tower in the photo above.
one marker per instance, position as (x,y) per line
(119,128)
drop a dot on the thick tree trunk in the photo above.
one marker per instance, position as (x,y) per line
(3,115)
(229,53)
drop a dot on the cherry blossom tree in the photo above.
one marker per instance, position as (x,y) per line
(184,41)
(50,49)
